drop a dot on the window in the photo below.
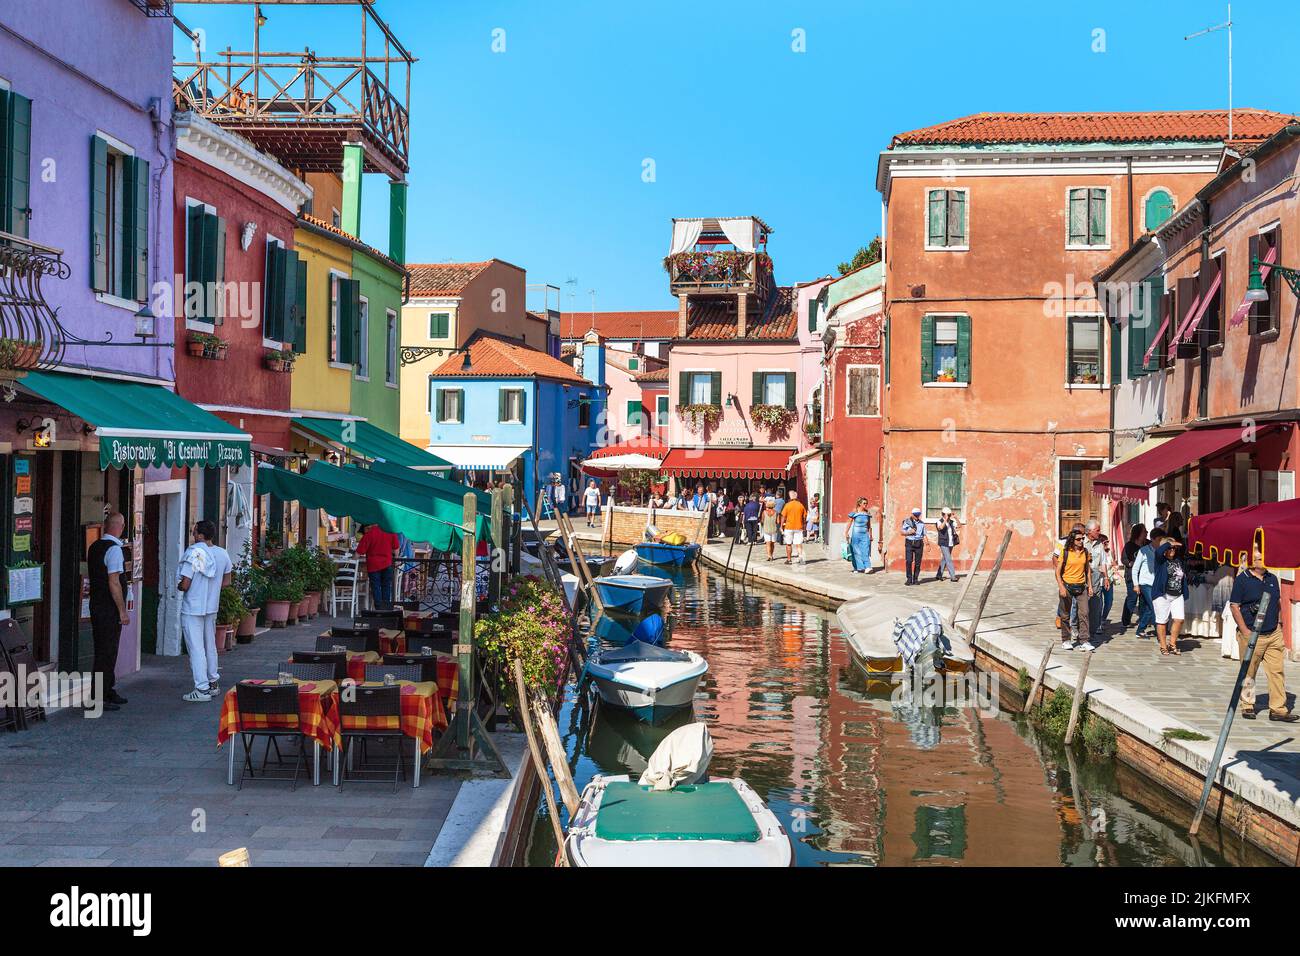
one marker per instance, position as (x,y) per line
(945,350)
(336,218)
(205,263)
(1083,350)
(1143,323)
(945,487)
(863,391)
(773,388)
(1075,502)
(661,410)
(362,359)
(390,347)
(439,325)
(633,364)
(345,309)
(15,162)
(510,406)
(634,414)
(1265,316)
(584,412)
(699,388)
(813,308)
(1087,218)
(119,222)
(1157,209)
(284,296)
(946,219)
(448,404)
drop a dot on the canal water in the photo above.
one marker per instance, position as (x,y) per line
(857,779)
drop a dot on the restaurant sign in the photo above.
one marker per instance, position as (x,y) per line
(138,451)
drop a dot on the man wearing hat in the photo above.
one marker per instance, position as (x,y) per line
(946,534)
(1169,591)
(914,544)
(1270,647)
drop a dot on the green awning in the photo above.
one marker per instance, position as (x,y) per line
(141,425)
(423,480)
(351,492)
(371,441)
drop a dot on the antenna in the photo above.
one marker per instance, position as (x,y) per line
(592,293)
(1226,25)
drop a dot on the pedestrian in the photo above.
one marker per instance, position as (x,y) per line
(1270,647)
(224,569)
(814,517)
(1144,577)
(1099,567)
(948,538)
(1137,537)
(591,502)
(913,532)
(858,533)
(753,508)
(558,495)
(1169,591)
(1074,587)
(108,614)
(378,546)
(1174,526)
(793,516)
(195,579)
(739,517)
(770,526)
(1162,517)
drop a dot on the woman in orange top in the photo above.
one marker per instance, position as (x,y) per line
(1074,585)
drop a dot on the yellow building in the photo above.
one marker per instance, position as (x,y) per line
(320,382)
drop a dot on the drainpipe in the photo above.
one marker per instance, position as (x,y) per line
(1129,178)
(155,117)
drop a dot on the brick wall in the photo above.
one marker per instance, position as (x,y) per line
(627,525)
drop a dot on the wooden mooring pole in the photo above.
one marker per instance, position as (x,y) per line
(973,627)
(539,764)
(970,577)
(1038,678)
(1077,704)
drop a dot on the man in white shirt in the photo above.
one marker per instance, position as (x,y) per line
(220,578)
(558,496)
(591,499)
(196,579)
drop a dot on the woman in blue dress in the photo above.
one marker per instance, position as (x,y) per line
(858,531)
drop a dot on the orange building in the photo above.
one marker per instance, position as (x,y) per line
(998,399)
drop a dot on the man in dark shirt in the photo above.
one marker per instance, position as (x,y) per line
(1270,648)
(108,614)
(753,508)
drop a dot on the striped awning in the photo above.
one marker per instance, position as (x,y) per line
(479,457)
(727,463)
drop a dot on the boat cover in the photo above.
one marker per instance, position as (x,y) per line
(701,811)
(681,758)
(639,651)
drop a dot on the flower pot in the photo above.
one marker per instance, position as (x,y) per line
(277,613)
(295,608)
(247,626)
(225,641)
(194,348)
(311,600)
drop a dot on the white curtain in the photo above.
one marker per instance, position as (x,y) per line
(686,232)
(740,232)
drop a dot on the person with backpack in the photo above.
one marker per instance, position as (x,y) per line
(946,531)
(1170,594)
(1074,586)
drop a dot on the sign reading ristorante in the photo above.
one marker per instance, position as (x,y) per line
(131,451)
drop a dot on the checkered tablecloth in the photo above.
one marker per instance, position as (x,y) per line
(317,715)
(357,661)
(422,714)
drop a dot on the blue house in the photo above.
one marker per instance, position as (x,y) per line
(506,409)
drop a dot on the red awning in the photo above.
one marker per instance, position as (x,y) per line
(1198,310)
(1227,536)
(727,462)
(1134,478)
(1265,267)
(641,445)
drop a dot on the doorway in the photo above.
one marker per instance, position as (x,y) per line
(1075,500)
(164,541)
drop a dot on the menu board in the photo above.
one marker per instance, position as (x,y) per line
(25,584)
(25,578)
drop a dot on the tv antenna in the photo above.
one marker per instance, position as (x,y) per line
(1226,25)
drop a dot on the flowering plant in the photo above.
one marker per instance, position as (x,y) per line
(775,417)
(531,625)
(700,415)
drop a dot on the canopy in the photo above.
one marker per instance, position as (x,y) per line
(1228,536)
(613,463)
(647,445)
(352,492)
(423,480)
(481,457)
(1133,479)
(140,425)
(371,441)
(727,462)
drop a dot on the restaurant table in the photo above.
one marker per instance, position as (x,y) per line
(394,642)
(357,661)
(317,718)
(422,714)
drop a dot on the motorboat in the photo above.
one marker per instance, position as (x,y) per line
(670,555)
(633,593)
(650,681)
(871,625)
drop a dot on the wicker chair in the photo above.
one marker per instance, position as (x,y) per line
(415,643)
(337,659)
(427,664)
(308,671)
(377,672)
(370,702)
(343,638)
(275,700)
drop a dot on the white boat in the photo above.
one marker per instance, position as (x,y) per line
(869,624)
(650,681)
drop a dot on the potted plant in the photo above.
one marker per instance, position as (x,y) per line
(699,416)
(229,612)
(250,580)
(19,353)
(281,595)
(205,345)
(280,360)
(298,565)
(773,417)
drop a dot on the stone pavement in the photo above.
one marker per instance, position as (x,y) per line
(133,787)
(1193,688)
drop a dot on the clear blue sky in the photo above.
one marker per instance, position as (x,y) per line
(534,155)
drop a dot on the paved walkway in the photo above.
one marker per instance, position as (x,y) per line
(147,786)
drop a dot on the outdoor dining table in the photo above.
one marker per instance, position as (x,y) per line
(317,718)
(422,714)
(392,641)
(357,661)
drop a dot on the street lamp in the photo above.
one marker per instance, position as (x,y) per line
(1256,291)
(144,323)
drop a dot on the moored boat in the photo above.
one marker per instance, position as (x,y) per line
(870,624)
(674,555)
(633,593)
(650,681)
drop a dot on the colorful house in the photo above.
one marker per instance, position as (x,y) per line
(645,332)
(638,393)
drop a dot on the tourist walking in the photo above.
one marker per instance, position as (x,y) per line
(814,517)
(1144,577)
(948,538)
(378,546)
(196,578)
(1099,567)
(1169,591)
(108,614)
(769,526)
(1137,537)
(591,502)
(753,508)
(558,495)
(858,533)
(1074,588)
(1270,647)
(793,516)
(224,568)
(913,532)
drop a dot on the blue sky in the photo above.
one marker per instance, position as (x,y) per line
(535,154)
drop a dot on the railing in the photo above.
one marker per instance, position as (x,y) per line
(30,334)
(153,8)
(718,271)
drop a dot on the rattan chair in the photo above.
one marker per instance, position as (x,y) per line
(337,659)
(415,643)
(370,702)
(308,671)
(377,672)
(342,637)
(278,700)
(427,664)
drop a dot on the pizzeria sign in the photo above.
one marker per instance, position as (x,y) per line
(131,451)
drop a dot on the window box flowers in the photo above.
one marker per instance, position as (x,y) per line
(773,417)
(280,360)
(699,416)
(206,345)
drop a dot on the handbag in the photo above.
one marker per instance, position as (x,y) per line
(845,552)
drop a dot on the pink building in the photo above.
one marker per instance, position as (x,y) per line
(638,395)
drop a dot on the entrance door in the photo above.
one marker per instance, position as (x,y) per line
(164,541)
(149,594)
(1075,502)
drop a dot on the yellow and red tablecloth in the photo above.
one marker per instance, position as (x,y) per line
(422,713)
(317,715)
(357,661)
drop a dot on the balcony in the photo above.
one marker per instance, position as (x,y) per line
(703,272)
(302,106)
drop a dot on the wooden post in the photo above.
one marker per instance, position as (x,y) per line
(988,589)
(559,759)
(579,561)
(1229,714)
(514,528)
(496,569)
(468,605)
(1077,704)
(539,764)
(1038,678)
(970,576)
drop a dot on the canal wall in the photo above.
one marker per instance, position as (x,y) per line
(1251,798)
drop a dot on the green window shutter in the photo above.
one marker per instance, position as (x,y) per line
(354,286)
(1116,357)
(289,296)
(1156,304)
(205,262)
(758,389)
(15,161)
(887,325)
(99,214)
(812,315)
(523,406)
(502,403)
(956,217)
(963,348)
(273,294)
(1135,335)
(683,388)
(1078,216)
(1159,207)
(349,320)
(193,260)
(715,389)
(135,244)
(460,405)
(1097,217)
(634,413)
(219,269)
(299,344)
(789,389)
(438,325)
(936,217)
(927,349)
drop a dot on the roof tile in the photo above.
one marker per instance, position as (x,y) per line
(715,318)
(650,324)
(494,357)
(443,278)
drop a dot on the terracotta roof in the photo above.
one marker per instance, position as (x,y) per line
(1248,125)
(716,318)
(494,357)
(652,377)
(443,278)
(329,227)
(651,324)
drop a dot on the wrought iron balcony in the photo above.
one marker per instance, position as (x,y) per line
(153,8)
(30,334)
(696,272)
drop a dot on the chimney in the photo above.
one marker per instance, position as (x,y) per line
(742,315)
(681,316)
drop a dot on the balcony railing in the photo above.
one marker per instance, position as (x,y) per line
(696,272)
(30,333)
